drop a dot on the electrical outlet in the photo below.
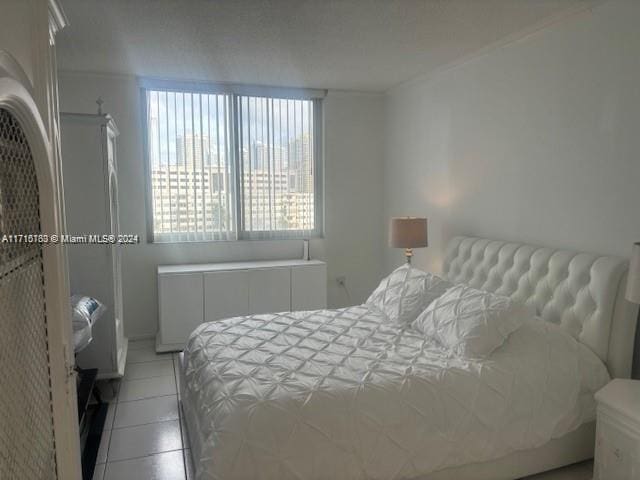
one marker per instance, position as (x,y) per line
(341,280)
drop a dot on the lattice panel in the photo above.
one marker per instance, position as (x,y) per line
(27,448)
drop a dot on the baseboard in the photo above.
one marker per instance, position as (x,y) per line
(135,338)
(168,347)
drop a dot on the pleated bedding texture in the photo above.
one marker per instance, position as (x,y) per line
(347,394)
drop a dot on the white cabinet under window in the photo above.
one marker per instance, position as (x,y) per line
(181,301)
(269,290)
(230,285)
(191,294)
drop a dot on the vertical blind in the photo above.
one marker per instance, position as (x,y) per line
(189,148)
(227,166)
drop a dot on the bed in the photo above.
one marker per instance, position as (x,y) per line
(342,394)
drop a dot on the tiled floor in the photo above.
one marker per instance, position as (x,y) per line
(144,437)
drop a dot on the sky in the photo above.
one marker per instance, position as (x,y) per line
(266,120)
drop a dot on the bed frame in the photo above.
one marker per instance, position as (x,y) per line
(583,293)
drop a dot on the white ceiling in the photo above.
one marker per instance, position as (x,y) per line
(368,45)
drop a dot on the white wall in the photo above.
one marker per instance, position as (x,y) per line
(536,141)
(352,245)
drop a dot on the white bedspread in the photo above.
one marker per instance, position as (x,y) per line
(346,394)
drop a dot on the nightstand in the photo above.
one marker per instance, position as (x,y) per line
(617,455)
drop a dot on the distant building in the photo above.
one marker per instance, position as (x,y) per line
(190,148)
(300,155)
(195,193)
(189,200)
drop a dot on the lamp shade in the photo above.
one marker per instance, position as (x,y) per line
(633,281)
(408,232)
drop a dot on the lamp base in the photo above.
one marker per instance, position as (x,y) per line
(408,252)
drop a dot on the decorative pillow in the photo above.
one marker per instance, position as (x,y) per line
(406,292)
(472,323)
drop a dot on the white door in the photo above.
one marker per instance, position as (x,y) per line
(181,308)
(309,287)
(226,294)
(269,290)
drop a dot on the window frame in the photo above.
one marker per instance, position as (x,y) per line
(235,91)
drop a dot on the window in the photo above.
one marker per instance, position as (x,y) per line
(228,163)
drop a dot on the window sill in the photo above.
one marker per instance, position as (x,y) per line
(238,241)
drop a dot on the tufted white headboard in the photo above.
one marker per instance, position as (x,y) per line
(584,293)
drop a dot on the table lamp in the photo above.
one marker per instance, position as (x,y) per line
(410,233)
(633,295)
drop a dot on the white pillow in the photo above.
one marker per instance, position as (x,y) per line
(406,292)
(472,323)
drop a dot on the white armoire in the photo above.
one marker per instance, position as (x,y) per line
(39,435)
(91,199)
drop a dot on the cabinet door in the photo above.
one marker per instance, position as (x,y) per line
(181,306)
(616,449)
(309,287)
(226,294)
(270,290)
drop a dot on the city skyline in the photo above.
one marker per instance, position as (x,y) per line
(196,193)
